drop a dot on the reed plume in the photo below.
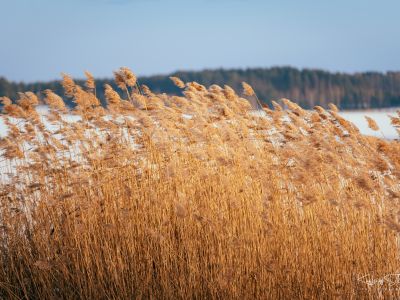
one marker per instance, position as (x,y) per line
(178,82)
(68,85)
(90,82)
(247,89)
(54,101)
(372,124)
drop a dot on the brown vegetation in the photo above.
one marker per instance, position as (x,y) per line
(199,196)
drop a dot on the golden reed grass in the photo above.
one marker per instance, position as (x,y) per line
(170,197)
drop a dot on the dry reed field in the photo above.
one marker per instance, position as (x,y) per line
(194,197)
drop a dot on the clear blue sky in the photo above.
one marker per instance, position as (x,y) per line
(41,38)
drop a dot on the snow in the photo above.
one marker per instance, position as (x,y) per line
(381,117)
(387,131)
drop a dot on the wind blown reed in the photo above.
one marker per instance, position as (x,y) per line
(194,196)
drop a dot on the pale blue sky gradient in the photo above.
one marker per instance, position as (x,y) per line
(41,38)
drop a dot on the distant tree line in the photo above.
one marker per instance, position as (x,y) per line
(306,87)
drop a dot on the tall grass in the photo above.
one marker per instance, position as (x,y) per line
(198,196)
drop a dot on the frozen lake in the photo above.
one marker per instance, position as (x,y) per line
(381,117)
(357,117)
